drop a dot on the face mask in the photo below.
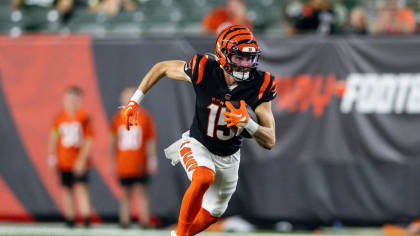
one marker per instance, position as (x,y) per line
(240,76)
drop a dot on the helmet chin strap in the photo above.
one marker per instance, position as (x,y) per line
(240,76)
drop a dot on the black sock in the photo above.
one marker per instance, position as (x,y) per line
(70,223)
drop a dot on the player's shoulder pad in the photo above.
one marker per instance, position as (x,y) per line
(212,57)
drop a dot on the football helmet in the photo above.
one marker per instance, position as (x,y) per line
(237,40)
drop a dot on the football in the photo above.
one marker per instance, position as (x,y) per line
(243,133)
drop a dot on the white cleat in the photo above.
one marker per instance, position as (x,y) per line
(173,233)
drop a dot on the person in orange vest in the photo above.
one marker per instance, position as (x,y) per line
(69,148)
(233,12)
(133,160)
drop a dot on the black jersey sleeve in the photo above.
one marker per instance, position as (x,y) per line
(194,68)
(268,89)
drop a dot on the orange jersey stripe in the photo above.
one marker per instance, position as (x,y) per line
(193,65)
(264,85)
(201,69)
(273,86)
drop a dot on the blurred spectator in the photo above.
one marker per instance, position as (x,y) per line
(357,22)
(112,7)
(62,6)
(33,3)
(58,9)
(315,16)
(232,13)
(134,153)
(392,18)
(69,148)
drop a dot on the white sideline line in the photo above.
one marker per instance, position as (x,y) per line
(44,230)
(113,230)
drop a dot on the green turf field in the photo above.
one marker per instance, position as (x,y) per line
(113,230)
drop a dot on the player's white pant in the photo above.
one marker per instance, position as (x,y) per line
(191,153)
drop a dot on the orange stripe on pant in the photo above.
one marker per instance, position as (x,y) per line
(186,142)
(188,158)
(189,163)
(184,151)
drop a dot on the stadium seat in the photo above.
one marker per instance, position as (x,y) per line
(86,22)
(125,23)
(165,28)
(40,19)
(189,28)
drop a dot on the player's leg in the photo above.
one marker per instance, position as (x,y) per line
(202,221)
(83,196)
(124,214)
(144,209)
(202,178)
(69,211)
(200,169)
(217,197)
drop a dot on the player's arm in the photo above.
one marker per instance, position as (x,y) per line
(152,163)
(265,134)
(52,147)
(112,152)
(172,69)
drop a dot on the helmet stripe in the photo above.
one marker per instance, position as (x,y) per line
(233,34)
(229,30)
(236,35)
(232,31)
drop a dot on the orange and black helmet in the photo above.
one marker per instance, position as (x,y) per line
(236,40)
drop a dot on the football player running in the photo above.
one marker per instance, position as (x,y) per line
(209,151)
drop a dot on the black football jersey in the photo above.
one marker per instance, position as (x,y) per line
(208,126)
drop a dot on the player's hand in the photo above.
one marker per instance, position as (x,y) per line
(238,117)
(129,114)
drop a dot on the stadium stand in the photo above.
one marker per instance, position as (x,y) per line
(164,17)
